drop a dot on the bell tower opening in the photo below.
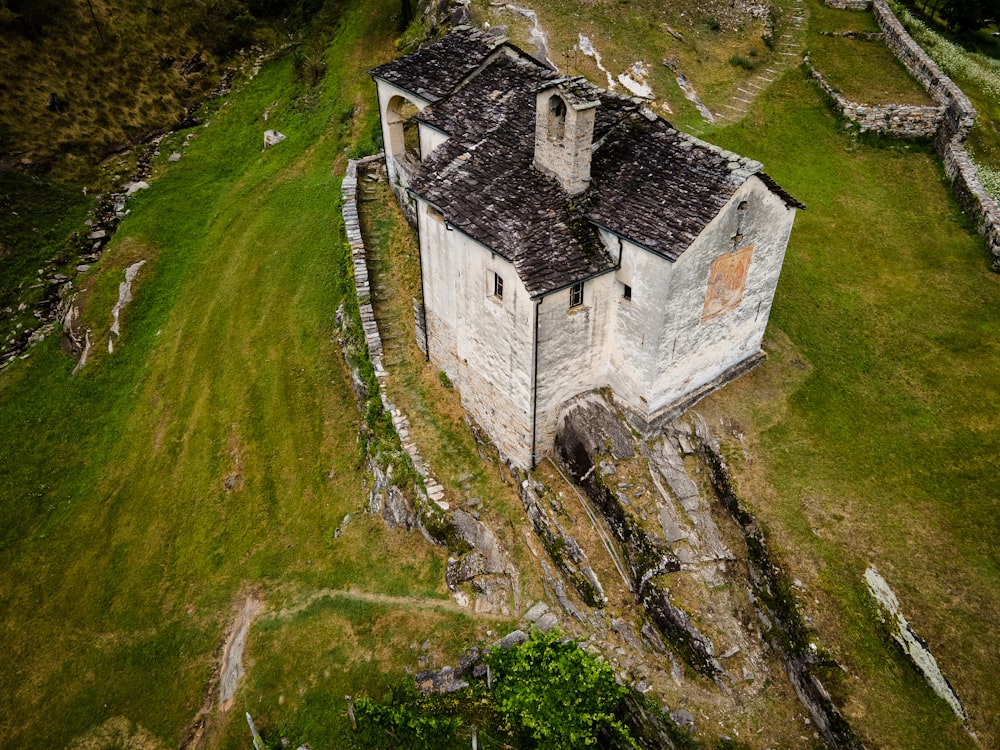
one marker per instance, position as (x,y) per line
(564,134)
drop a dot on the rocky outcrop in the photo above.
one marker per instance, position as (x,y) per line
(777,612)
(913,646)
(563,549)
(588,429)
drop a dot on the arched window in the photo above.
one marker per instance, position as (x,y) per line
(557,118)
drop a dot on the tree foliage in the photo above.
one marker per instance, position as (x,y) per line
(558,694)
(963,15)
(403,722)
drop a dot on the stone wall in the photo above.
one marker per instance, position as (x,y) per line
(957,115)
(362,287)
(960,114)
(899,120)
(849,4)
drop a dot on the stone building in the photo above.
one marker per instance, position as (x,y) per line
(571,240)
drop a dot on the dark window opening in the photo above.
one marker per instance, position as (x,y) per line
(627,293)
(576,295)
(497,286)
(557,118)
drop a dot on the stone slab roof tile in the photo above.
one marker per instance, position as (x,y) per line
(650,183)
(434,70)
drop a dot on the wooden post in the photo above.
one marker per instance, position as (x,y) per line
(258,743)
(475,738)
(350,712)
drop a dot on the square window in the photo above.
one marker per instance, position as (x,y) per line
(576,295)
(627,293)
(497,286)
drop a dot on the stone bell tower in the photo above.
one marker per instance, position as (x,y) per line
(564,135)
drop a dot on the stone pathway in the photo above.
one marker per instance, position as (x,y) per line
(787,51)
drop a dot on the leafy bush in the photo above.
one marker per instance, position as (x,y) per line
(403,721)
(557,694)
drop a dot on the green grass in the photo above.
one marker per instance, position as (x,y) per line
(36,218)
(123,552)
(624,32)
(883,452)
(863,71)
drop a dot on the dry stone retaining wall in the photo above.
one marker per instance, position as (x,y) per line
(849,4)
(899,120)
(957,115)
(362,285)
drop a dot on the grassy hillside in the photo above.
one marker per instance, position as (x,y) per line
(85,78)
(214,453)
(885,452)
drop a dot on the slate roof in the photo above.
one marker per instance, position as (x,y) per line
(435,69)
(650,183)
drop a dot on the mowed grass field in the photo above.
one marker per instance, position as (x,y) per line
(213,454)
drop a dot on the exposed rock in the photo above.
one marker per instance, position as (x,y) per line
(514,638)
(547,622)
(536,611)
(912,644)
(439,682)
(134,187)
(682,718)
(124,297)
(387,500)
(468,661)
(174,157)
(232,653)
(272,138)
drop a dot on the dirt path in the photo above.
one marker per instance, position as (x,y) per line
(410,602)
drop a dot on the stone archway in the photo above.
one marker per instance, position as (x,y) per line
(404,137)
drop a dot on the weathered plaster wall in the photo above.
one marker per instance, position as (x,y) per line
(430,139)
(392,138)
(482,342)
(572,351)
(697,344)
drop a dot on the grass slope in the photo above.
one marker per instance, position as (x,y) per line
(212,454)
(883,452)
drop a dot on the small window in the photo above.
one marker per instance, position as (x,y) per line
(627,292)
(557,119)
(497,286)
(576,295)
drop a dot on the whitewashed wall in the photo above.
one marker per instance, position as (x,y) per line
(393,143)
(484,344)
(693,351)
